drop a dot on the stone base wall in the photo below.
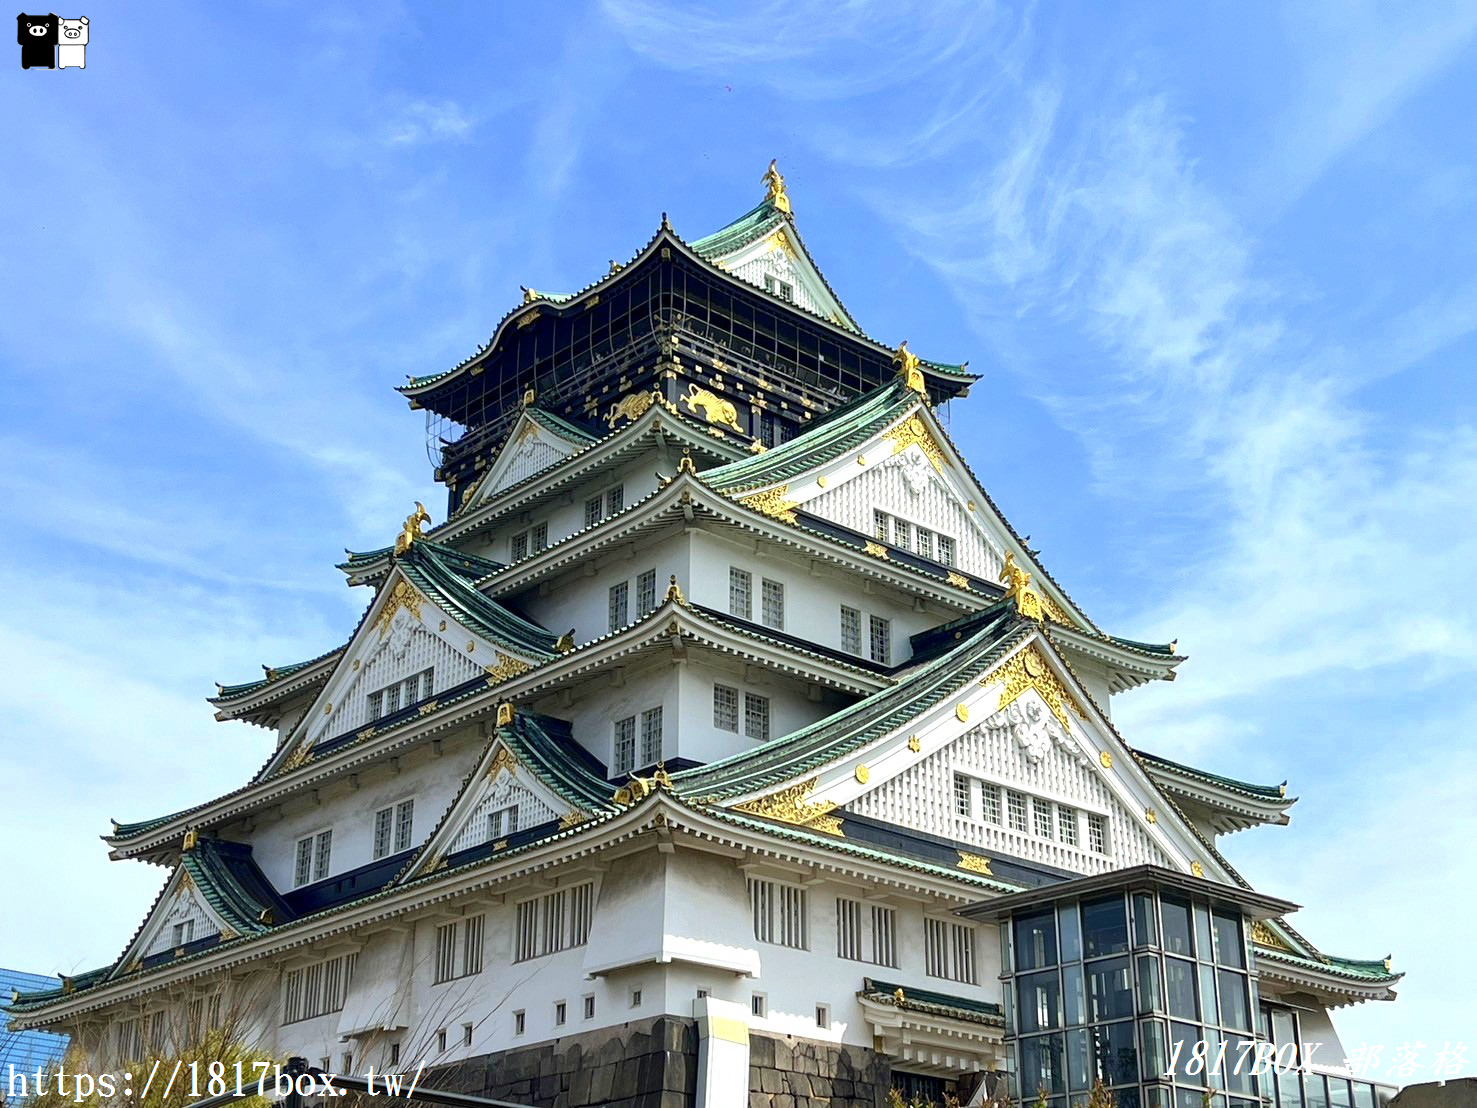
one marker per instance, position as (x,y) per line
(644,1064)
(799,1073)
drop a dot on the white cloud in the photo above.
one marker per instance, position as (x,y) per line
(422,121)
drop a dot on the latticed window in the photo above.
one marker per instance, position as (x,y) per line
(756,717)
(1066,821)
(646,592)
(502,822)
(651,736)
(851,630)
(880,634)
(520,545)
(946,550)
(539,536)
(624,760)
(962,804)
(553,922)
(881,525)
(774,604)
(392,828)
(902,534)
(1044,823)
(1097,833)
(312,858)
(925,542)
(990,802)
(615,500)
(619,605)
(779,913)
(594,510)
(725,708)
(1015,805)
(740,593)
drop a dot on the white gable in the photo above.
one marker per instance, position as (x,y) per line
(780,258)
(530,448)
(181,904)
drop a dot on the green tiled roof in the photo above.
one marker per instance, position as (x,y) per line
(793,755)
(231,692)
(547,748)
(758,221)
(138,827)
(829,437)
(444,575)
(470,566)
(1370,970)
(233,886)
(926,1000)
(560,426)
(1261,792)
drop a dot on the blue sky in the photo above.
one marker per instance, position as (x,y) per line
(1215,263)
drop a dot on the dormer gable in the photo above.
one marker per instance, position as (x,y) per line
(537,440)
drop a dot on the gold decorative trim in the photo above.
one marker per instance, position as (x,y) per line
(1027,669)
(501,844)
(367,733)
(1018,588)
(861,459)
(411,530)
(428,707)
(961,712)
(775,503)
(404,595)
(573,818)
(1151,815)
(975,863)
(529,318)
(506,669)
(914,432)
(1197,869)
(674,591)
(863,774)
(1262,935)
(821,481)
(1055,611)
(504,759)
(877,550)
(959,581)
(913,744)
(504,714)
(299,756)
(630,408)
(774,188)
(792,805)
(1105,760)
(192,840)
(714,408)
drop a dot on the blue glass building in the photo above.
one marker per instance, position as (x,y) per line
(26,1051)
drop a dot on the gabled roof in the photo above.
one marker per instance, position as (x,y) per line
(472,567)
(271,675)
(234,886)
(1277,793)
(444,575)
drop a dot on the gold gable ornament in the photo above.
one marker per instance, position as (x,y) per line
(1017,582)
(411,531)
(774,188)
(908,369)
(793,805)
(975,863)
(530,397)
(504,713)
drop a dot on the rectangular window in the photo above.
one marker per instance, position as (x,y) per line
(881,526)
(849,929)
(553,922)
(925,542)
(318,989)
(740,593)
(624,759)
(962,804)
(822,1016)
(1066,820)
(440,1042)
(949,950)
(404,821)
(902,534)
(459,949)
(322,851)
(615,500)
(851,630)
(312,857)
(520,1022)
(880,633)
(539,536)
(1015,804)
(619,609)
(594,510)
(376,705)
(502,822)
(520,546)
(1097,833)
(990,803)
(759,1005)
(774,604)
(184,932)
(589,1006)
(756,717)
(725,708)
(1045,825)
(884,935)
(946,550)
(779,913)
(466,1041)
(646,592)
(651,736)
(561,1011)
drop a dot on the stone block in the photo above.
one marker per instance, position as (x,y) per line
(627,1078)
(771,1081)
(784,1054)
(784,1100)
(799,1084)
(759,1100)
(602,1082)
(761,1050)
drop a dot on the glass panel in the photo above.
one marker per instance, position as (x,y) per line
(1207,993)
(1005,961)
(1041,1066)
(1313,1090)
(1176,916)
(1079,1059)
(1117,1053)
(1073,1000)
(1040,1001)
(1203,944)
(1104,926)
(1126,1098)
(1109,989)
(1156,1096)
(1284,1030)
(1183,1037)
(1240,1062)
(1363,1095)
(1234,1012)
(1229,949)
(1007,993)
(1151,998)
(1179,985)
(1155,1060)
(1071,931)
(1214,1063)
(1338,1093)
(1188,1098)
(1289,1091)
(1035,941)
(1144,931)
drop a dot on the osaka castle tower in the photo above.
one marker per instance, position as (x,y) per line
(720,744)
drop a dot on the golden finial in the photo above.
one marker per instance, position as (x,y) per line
(271,672)
(774,185)
(566,642)
(529,295)
(220,690)
(898,995)
(412,529)
(1174,646)
(530,397)
(615,266)
(674,591)
(68,985)
(505,713)
(907,368)
(661,779)
(757,447)
(192,839)
(1017,584)
(686,464)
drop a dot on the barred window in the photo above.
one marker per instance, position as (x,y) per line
(502,822)
(990,802)
(400,694)
(949,950)
(725,708)
(392,828)
(849,929)
(902,534)
(1015,804)
(866,933)
(774,604)
(779,913)
(946,550)
(646,592)
(881,525)
(1097,833)
(925,542)
(884,935)
(553,922)
(594,510)
(651,736)
(184,932)
(624,759)
(520,546)
(962,805)
(404,821)
(316,990)
(756,717)
(384,831)
(740,593)
(880,634)
(459,949)
(539,536)
(1044,822)
(619,610)
(1066,819)
(851,630)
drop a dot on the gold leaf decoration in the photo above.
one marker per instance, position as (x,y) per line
(863,774)
(404,596)
(793,805)
(913,744)
(974,863)
(1262,935)
(1027,669)
(914,432)
(1106,760)
(506,668)
(775,503)
(958,580)
(714,408)
(1197,869)
(502,760)
(573,818)
(877,550)
(630,408)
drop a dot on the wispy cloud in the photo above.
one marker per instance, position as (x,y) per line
(422,121)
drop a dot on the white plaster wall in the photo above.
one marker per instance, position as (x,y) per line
(1317,1030)
(700,740)
(646,684)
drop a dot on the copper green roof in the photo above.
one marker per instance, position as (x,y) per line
(230,881)
(470,566)
(547,747)
(273,675)
(909,999)
(564,428)
(798,753)
(1371,970)
(444,575)
(1261,792)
